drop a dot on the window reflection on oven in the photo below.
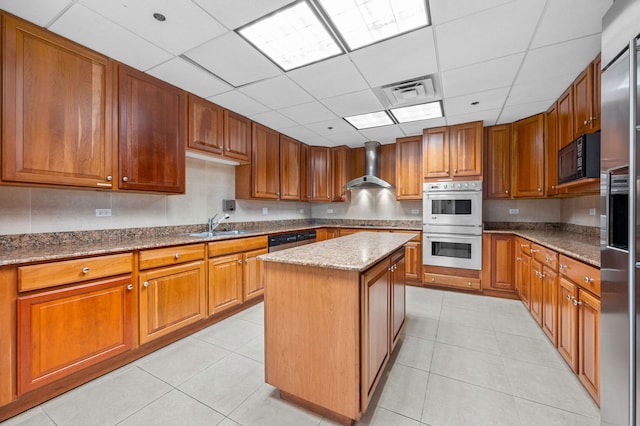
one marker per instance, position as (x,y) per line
(451,207)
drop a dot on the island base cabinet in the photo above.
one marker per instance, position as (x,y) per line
(65,330)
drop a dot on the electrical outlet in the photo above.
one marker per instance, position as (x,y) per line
(329,211)
(302,211)
(415,211)
(103,212)
(592,212)
(514,211)
(265,210)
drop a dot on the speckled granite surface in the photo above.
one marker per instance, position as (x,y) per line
(583,246)
(355,252)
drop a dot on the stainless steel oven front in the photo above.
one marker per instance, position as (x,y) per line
(452,203)
(453,250)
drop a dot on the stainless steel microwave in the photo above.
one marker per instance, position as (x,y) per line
(580,158)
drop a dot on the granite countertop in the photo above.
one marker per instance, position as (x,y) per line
(579,246)
(356,252)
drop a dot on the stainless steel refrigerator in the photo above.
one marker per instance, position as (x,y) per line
(619,197)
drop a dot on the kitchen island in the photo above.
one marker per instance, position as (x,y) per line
(334,311)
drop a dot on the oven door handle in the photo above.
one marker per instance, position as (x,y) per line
(454,236)
(451,195)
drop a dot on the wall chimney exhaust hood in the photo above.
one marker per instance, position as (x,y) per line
(372,161)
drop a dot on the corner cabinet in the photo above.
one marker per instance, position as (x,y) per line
(152,133)
(409,168)
(453,152)
(528,157)
(497,181)
(57,109)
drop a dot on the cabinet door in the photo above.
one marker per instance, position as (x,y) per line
(551,150)
(413,261)
(57,109)
(225,282)
(583,102)
(409,168)
(340,161)
(305,190)
(206,125)
(375,326)
(523,278)
(265,164)
(589,342)
(498,161)
(465,143)
(435,153)
(152,133)
(528,157)
(535,305)
(290,168)
(503,266)
(398,301)
(62,331)
(320,173)
(550,304)
(568,322)
(253,282)
(237,136)
(565,118)
(171,298)
(596,108)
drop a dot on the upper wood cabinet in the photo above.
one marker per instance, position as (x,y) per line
(583,102)
(565,118)
(551,150)
(497,180)
(454,151)
(290,168)
(265,162)
(206,126)
(237,136)
(597,107)
(152,133)
(320,173)
(57,109)
(305,190)
(340,172)
(528,157)
(408,180)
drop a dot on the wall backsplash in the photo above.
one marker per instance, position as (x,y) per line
(371,203)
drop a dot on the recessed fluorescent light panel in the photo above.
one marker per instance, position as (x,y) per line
(372,119)
(417,112)
(363,22)
(292,37)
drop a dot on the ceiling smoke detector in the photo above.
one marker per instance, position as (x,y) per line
(413,91)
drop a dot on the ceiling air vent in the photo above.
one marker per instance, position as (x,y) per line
(413,91)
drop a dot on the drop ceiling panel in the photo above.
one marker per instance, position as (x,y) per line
(236,13)
(234,60)
(183,74)
(539,90)
(488,117)
(414,128)
(86,27)
(569,19)
(497,32)
(352,139)
(559,59)
(35,11)
(317,141)
(517,112)
(337,125)
(354,103)
(238,102)
(273,120)
(276,93)
(299,132)
(307,113)
(401,58)
(482,76)
(447,10)
(186,25)
(329,78)
(488,100)
(385,134)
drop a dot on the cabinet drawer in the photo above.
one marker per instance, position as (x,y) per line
(545,256)
(45,275)
(170,256)
(580,273)
(236,245)
(524,246)
(462,283)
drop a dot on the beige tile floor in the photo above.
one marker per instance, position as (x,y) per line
(464,360)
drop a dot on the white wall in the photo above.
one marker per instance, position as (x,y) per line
(369,204)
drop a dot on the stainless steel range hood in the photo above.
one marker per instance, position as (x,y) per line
(372,161)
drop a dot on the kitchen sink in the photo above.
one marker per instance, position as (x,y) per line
(218,233)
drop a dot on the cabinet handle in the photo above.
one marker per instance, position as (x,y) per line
(588,280)
(239,262)
(562,266)
(569,297)
(125,179)
(519,259)
(177,256)
(246,261)
(129,287)
(576,303)
(85,270)
(533,250)
(547,258)
(456,171)
(524,245)
(109,178)
(553,187)
(586,122)
(539,189)
(469,283)
(506,192)
(446,171)
(220,146)
(433,280)
(228,149)
(146,283)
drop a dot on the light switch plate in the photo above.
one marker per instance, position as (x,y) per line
(329,210)
(103,212)
(514,211)
(415,211)
(265,210)
(592,212)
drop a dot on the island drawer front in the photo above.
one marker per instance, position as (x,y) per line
(462,283)
(46,275)
(170,256)
(584,275)
(236,245)
(545,256)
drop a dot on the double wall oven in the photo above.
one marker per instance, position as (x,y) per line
(452,225)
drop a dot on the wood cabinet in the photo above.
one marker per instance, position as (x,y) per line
(408,156)
(206,126)
(57,110)
(64,330)
(589,342)
(528,157)
(597,107)
(305,189)
(237,136)
(454,151)
(535,301)
(397,291)
(413,260)
(565,118)
(253,283)
(583,102)
(152,120)
(497,168)
(290,169)
(550,304)
(499,267)
(523,271)
(340,172)
(568,322)
(320,174)
(172,291)
(551,150)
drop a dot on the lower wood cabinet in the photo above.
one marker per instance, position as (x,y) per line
(498,266)
(523,271)
(225,282)
(535,302)
(589,342)
(550,304)
(568,322)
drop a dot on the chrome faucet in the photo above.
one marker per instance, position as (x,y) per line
(213,225)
